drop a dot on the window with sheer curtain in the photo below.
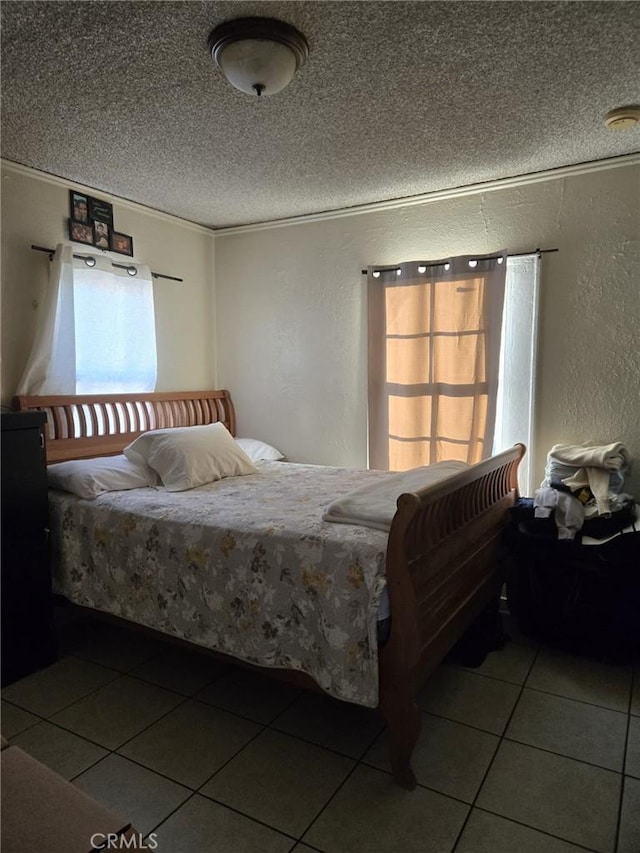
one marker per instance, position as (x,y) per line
(444,344)
(96,332)
(515,405)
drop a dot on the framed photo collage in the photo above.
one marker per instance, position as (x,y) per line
(91,223)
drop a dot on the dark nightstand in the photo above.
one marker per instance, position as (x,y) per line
(27,612)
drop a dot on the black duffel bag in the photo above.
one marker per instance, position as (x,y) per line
(581,598)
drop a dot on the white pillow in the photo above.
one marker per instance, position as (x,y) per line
(257,450)
(88,478)
(187,457)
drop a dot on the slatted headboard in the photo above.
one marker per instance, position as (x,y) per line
(102,425)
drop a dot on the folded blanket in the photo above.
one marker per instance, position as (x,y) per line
(374,505)
(611,457)
(599,466)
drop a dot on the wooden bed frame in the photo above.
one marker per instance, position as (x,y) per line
(443,555)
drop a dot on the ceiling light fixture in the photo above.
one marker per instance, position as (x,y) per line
(259,56)
(622,118)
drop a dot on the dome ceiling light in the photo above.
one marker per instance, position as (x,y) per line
(622,118)
(258,56)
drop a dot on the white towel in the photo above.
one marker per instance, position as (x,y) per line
(374,505)
(611,457)
(594,464)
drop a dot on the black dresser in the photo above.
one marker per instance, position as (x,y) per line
(27,610)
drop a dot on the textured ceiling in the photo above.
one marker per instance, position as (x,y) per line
(396,99)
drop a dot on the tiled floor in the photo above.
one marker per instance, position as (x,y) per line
(534,752)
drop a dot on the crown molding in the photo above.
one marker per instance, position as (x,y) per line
(356,210)
(441,195)
(29,171)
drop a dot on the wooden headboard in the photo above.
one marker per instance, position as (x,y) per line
(102,425)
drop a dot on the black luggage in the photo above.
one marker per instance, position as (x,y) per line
(581,598)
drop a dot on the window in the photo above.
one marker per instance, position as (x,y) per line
(96,332)
(448,364)
(515,408)
(114,331)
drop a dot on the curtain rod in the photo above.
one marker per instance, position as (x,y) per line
(51,253)
(490,258)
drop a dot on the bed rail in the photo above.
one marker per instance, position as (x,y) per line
(80,426)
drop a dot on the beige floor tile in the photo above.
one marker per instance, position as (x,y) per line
(253,696)
(145,798)
(632,763)
(371,814)
(582,678)
(180,670)
(563,797)
(49,690)
(576,729)
(201,825)
(14,720)
(449,757)
(279,780)
(629,838)
(191,743)
(118,711)
(341,726)
(467,697)
(58,749)
(488,833)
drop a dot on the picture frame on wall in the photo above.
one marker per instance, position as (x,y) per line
(79,206)
(101,233)
(81,232)
(101,211)
(121,243)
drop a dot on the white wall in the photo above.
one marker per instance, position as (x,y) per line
(291,311)
(289,327)
(35,210)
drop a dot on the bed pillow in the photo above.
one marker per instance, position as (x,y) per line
(88,478)
(257,450)
(187,457)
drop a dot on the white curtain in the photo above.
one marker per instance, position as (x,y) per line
(51,365)
(515,412)
(96,333)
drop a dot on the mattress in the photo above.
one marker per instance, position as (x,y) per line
(245,565)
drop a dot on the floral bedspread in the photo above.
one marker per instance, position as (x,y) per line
(244,565)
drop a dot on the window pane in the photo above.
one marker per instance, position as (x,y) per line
(115,333)
(459,360)
(458,305)
(460,452)
(408,454)
(407,309)
(461,417)
(410,417)
(408,360)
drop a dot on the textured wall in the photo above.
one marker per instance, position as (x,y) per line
(291,311)
(35,210)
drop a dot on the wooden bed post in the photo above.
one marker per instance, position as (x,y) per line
(442,568)
(400,710)
(400,655)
